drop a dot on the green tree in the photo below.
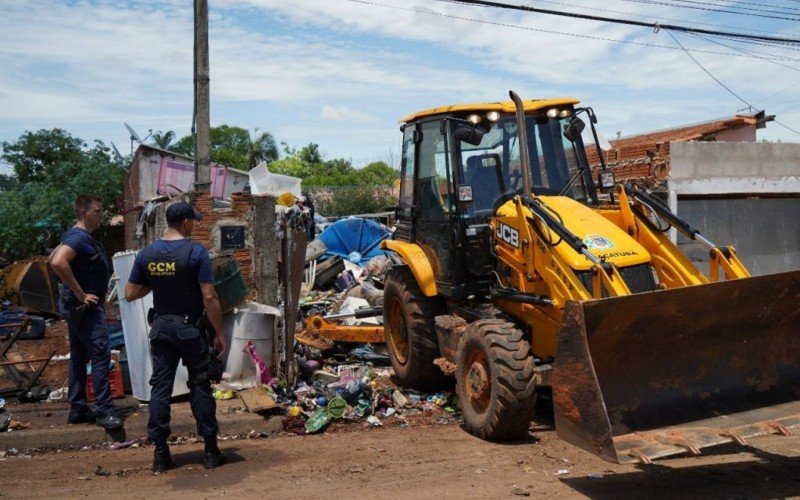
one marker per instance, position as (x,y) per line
(164,139)
(377,174)
(262,148)
(35,154)
(34,213)
(235,147)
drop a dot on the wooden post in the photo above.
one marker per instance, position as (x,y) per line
(265,255)
(202,140)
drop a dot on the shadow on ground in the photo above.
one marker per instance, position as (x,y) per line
(767,475)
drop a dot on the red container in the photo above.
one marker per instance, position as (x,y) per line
(114,380)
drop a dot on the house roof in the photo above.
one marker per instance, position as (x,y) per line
(165,152)
(640,145)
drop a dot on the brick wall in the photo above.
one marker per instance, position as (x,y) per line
(206,230)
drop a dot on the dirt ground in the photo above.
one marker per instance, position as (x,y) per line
(413,455)
(417,461)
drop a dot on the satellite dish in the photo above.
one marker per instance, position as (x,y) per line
(117,154)
(134,135)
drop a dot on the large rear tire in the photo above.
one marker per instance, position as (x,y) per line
(408,319)
(495,380)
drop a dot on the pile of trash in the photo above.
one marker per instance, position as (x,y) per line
(344,372)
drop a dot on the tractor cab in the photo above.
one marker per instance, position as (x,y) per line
(461,163)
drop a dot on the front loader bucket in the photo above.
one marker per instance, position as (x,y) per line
(650,375)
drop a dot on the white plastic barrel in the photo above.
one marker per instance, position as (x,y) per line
(254,323)
(135,329)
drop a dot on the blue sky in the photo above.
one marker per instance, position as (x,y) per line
(341,72)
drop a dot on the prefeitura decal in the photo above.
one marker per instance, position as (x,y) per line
(597,242)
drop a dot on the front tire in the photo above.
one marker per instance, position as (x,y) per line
(495,380)
(408,319)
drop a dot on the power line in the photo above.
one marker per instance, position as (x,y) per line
(731,5)
(539,30)
(650,17)
(753,53)
(670,4)
(778,93)
(488,3)
(773,45)
(722,84)
(708,72)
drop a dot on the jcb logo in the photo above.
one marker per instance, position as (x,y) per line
(161,267)
(508,234)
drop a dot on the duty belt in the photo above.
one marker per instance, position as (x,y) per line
(185,319)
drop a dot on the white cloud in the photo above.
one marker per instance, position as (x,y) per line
(292,68)
(343,113)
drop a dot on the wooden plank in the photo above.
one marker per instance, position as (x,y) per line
(257,399)
(23,361)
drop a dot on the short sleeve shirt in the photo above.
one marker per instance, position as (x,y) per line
(198,258)
(90,265)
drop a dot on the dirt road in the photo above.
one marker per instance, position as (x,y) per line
(439,461)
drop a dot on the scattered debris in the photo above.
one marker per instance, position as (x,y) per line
(257,399)
(101,471)
(122,445)
(520,492)
(16,425)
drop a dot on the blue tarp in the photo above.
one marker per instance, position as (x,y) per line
(354,235)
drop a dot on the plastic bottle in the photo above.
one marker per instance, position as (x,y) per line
(317,421)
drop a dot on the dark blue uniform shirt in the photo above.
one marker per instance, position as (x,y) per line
(174,269)
(90,265)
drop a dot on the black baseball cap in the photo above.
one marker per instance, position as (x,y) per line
(180,211)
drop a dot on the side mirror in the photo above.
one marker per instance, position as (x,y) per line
(574,129)
(468,133)
(465,193)
(607,180)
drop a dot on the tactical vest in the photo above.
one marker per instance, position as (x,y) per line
(173,281)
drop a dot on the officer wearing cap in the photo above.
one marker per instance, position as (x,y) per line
(179,274)
(82,267)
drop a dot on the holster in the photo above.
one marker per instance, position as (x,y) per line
(214,365)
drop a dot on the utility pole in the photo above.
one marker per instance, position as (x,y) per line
(202,133)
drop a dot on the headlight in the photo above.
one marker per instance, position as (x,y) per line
(474,119)
(565,113)
(493,116)
(552,112)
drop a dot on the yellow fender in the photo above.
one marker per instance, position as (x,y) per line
(416,259)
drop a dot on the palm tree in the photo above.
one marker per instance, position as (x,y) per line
(164,139)
(262,148)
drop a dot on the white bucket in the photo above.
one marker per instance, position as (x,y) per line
(254,323)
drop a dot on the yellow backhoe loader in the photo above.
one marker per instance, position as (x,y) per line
(519,270)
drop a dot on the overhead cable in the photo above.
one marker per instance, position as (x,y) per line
(751,6)
(722,84)
(499,5)
(644,16)
(539,30)
(760,55)
(708,7)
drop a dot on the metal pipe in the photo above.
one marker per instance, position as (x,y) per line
(524,155)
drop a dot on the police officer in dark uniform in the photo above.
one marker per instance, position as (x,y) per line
(179,273)
(82,267)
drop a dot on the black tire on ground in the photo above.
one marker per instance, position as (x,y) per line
(408,319)
(495,380)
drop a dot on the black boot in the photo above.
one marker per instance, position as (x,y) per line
(161,458)
(213,457)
